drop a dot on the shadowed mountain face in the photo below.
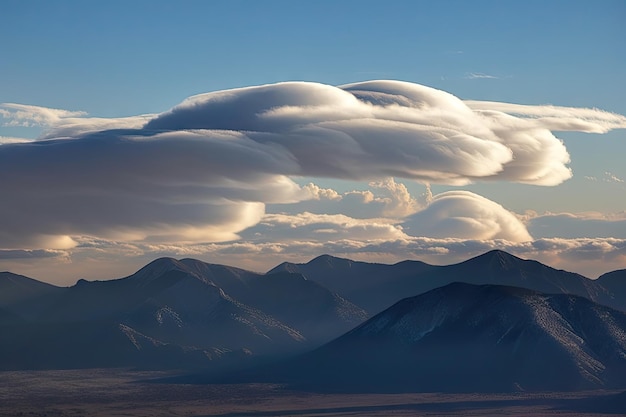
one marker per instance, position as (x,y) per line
(371,286)
(25,296)
(171,314)
(615,285)
(187,313)
(374,287)
(470,338)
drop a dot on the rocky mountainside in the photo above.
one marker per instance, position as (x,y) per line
(468,338)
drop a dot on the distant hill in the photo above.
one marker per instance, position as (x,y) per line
(375,287)
(467,338)
(371,286)
(25,296)
(615,285)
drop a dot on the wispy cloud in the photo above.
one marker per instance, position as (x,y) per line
(5,140)
(610,177)
(31,254)
(480,76)
(24,115)
(551,117)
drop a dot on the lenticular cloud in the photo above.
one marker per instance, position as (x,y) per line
(465,215)
(378,129)
(203,170)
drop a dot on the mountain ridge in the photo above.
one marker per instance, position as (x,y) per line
(189,308)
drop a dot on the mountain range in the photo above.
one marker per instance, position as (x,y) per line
(512,324)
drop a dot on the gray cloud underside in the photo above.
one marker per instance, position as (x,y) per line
(572,226)
(204,170)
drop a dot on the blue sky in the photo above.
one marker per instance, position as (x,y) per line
(115,59)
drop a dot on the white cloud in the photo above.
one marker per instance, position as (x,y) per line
(205,170)
(384,198)
(610,177)
(554,117)
(465,215)
(72,127)
(397,201)
(5,140)
(321,227)
(24,115)
(480,76)
(185,187)
(378,129)
(31,254)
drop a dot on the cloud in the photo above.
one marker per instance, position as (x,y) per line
(24,115)
(378,129)
(31,254)
(61,123)
(480,76)
(72,127)
(101,259)
(550,117)
(321,227)
(572,225)
(465,215)
(5,140)
(610,177)
(182,187)
(384,198)
(205,170)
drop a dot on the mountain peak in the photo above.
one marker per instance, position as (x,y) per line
(164,262)
(499,257)
(331,261)
(156,269)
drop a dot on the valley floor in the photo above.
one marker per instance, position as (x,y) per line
(120,392)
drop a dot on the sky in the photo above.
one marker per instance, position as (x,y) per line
(251,133)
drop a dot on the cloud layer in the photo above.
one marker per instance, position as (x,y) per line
(205,170)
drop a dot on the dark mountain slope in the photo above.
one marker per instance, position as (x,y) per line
(374,287)
(615,285)
(316,312)
(501,268)
(185,318)
(371,286)
(25,296)
(468,338)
